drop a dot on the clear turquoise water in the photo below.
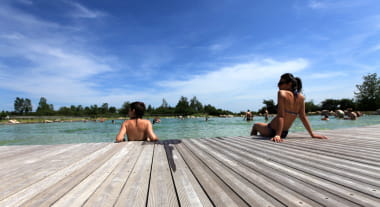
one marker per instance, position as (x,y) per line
(169,128)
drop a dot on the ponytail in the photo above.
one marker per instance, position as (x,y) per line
(296,82)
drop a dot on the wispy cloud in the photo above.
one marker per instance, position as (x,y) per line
(51,62)
(239,81)
(317,4)
(26,2)
(81,11)
(337,4)
(328,75)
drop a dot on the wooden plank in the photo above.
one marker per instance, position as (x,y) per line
(327,170)
(58,190)
(37,171)
(326,185)
(23,163)
(81,192)
(108,193)
(287,190)
(216,189)
(361,163)
(346,148)
(135,190)
(189,191)
(32,190)
(369,172)
(223,167)
(161,189)
(8,153)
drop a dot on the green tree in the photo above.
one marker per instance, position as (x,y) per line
(19,105)
(112,110)
(44,108)
(94,110)
(79,110)
(28,106)
(164,104)
(330,104)
(104,108)
(347,103)
(269,104)
(64,111)
(368,95)
(211,110)
(124,108)
(150,109)
(183,107)
(23,106)
(311,107)
(195,105)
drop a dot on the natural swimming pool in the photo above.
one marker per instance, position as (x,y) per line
(169,128)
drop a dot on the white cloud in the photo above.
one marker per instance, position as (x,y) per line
(238,76)
(336,4)
(316,4)
(240,83)
(328,75)
(81,11)
(25,2)
(50,62)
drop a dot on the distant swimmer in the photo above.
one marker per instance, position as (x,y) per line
(352,116)
(136,128)
(325,117)
(156,120)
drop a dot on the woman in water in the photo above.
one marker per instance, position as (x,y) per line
(290,104)
(136,128)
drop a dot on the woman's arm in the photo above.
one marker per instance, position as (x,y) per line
(121,134)
(280,116)
(151,135)
(306,123)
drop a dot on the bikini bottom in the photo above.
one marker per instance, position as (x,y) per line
(273,132)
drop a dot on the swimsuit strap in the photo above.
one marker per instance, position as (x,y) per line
(291,112)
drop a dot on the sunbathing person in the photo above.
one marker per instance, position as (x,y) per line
(291,103)
(136,128)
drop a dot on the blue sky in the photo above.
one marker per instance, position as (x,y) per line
(227,53)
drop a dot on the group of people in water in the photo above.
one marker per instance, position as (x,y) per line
(291,104)
(349,114)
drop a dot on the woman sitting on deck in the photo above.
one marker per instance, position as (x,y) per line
(136,128)
(290,104)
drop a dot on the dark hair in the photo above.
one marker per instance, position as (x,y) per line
(139,108)
(296,82)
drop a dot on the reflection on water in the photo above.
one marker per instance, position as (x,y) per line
(81,132)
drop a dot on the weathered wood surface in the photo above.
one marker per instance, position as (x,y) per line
(225,171)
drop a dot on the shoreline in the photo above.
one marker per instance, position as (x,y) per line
(55,119)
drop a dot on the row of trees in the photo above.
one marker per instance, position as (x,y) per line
(184,107)
(367,98)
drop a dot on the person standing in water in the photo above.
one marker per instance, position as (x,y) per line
(248,115)
(136,128)
(291,103)
(266,115)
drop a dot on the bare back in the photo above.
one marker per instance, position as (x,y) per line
(288,108)
(136,130)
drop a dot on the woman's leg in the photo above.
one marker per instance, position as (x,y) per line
(262,128)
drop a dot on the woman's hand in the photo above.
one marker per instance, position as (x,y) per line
(276,139)
(319,136)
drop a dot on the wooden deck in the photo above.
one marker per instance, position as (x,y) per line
(224,171)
